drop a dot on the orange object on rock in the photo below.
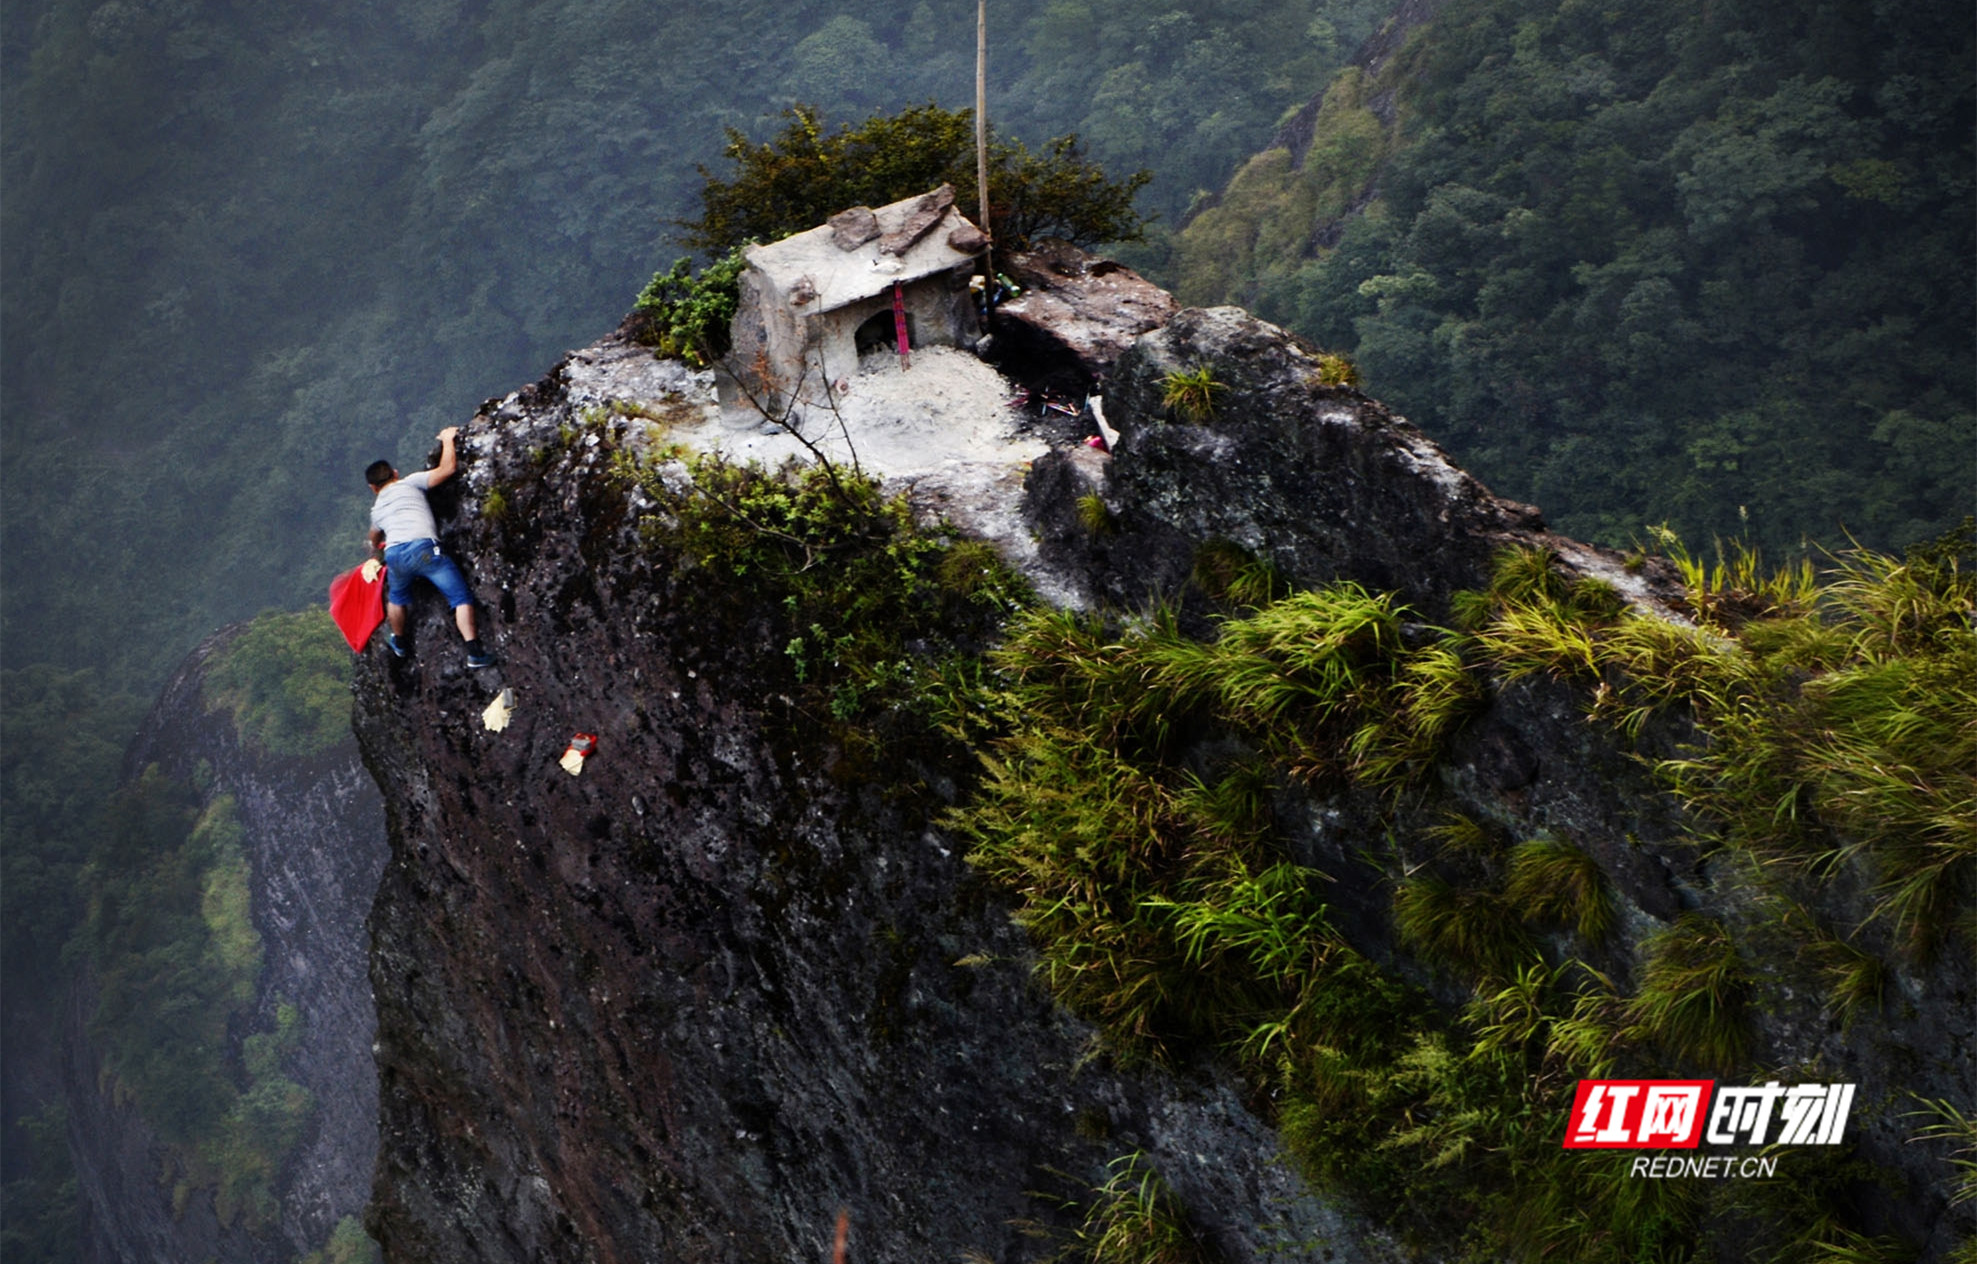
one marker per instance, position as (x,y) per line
(581,747)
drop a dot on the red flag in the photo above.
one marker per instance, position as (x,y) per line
(357,604)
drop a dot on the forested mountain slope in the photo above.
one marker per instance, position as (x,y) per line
(1710,265)
(247,248)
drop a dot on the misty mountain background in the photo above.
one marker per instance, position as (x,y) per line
(245,249)
(1710,265)
(248,248)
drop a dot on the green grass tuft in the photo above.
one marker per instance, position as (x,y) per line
(1463,929)
(1694,994)
(1959,1129)
(1093,515)
(1231,574)
(1190,393)
(1336,370)
(1135,1219)
(1527,576)
(1553,882)
(1855,980)
(1460,835)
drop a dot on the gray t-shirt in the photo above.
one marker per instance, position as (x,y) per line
(401,512)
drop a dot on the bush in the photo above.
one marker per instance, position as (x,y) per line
(808,173)
(691,316)
(872,605)
(286,679)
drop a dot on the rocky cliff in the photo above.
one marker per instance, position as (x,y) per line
(311,833)
(734,976)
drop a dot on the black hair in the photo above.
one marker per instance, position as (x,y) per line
(378,473)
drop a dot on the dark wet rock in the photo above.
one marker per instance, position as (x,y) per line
(733,977)
(1077,313)
(687,1004)
(1322,481)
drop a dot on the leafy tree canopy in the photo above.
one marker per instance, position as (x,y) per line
(1709,265)
(286,679)
(689,316)
(808,172)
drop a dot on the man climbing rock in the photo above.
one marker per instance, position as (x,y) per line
(402,525)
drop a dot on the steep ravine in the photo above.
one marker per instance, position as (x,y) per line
(310,831)
(734,977)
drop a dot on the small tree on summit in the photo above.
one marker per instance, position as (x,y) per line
(807,173)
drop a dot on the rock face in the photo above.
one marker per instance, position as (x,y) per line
(689,1003)
(1076,315)
(731,978)
(1321,480)
(312,832)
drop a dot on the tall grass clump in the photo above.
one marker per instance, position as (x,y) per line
(1738,587)
(1134,1218)
(1694,995)
(1835,714)
(1463,928)
(1554,882)
(1846,735)
(1190,393)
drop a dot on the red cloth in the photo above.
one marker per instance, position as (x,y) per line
(357,607)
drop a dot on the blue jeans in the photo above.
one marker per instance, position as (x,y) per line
(415,559)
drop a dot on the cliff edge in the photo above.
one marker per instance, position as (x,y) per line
(734,975)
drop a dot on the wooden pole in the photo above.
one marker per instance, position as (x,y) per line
(981,132)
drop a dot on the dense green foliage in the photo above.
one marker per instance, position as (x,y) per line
(62,741)
(39,1214)
(1130,805)
(857,580)
(808,172)
(286,678)
(690,314)
(176,961)
(348,1244)
(1710,265)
